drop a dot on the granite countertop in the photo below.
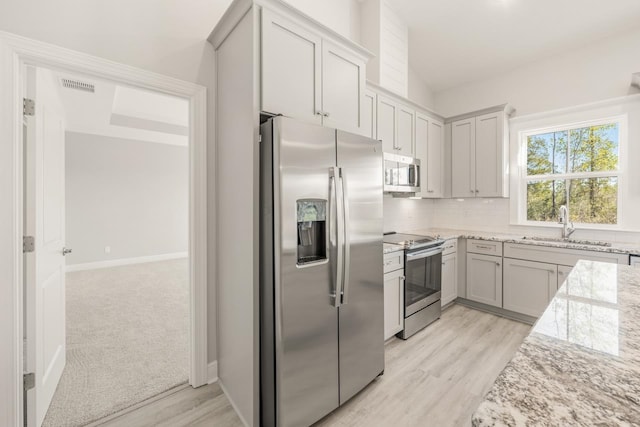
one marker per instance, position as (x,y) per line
(580,365)
(447,234)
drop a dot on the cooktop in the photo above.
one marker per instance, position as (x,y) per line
(411,241)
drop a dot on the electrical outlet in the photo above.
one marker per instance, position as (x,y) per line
(107,249)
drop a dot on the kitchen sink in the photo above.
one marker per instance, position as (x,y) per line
(570,241)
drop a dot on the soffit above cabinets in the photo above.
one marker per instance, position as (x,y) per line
(455,42)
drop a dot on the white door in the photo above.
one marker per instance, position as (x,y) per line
(449,278)
(406,131)
(529,286)
(422,141)
(369,114)
(45,220)
(393,303)
(435,159)
(387,126)
(291,69)
(484,279)
(343,82)
(463,158)
(489,155)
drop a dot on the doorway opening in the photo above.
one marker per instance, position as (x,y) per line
(106,179)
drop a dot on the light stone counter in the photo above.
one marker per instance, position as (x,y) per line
(580,365)
(447,234)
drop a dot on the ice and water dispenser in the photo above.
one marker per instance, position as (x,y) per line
(312,229)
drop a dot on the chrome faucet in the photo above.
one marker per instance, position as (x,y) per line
(564,220)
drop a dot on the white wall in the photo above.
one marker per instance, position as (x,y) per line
(129,195)
(403,214)
(419,91)
(596,72)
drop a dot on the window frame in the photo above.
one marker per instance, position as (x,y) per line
(619,174)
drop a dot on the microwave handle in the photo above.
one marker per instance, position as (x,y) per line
(416,175)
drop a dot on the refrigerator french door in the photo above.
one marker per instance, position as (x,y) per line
(322,326)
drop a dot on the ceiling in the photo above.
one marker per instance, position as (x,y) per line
(453,42)
(124,112)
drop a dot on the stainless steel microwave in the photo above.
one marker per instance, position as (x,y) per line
(401,174)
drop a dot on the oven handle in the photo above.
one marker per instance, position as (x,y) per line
(424,254)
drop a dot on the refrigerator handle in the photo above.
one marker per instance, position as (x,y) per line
(334,236)
(346,242)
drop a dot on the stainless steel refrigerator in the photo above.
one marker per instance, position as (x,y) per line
(321,284)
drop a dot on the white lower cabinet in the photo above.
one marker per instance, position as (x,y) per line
(563,273)
(484,279)
(449,278)
(529,286)
(393,303)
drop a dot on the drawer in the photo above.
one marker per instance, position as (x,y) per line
(393,261)
(450,247)
(486,247)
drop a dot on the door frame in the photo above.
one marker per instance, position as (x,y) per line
(16,52)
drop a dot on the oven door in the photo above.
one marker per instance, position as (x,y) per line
(423,275)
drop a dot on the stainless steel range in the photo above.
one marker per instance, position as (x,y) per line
(423,280)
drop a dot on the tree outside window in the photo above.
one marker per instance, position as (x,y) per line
(577,167)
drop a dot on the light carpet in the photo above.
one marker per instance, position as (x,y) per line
(127,339)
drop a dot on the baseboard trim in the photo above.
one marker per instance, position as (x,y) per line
(518,317)
(124,261)
(233,404)
(212,372)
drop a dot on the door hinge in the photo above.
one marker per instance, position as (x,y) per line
(28,107)
(29,381)
(28,244)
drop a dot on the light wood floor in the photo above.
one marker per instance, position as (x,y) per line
(436,378)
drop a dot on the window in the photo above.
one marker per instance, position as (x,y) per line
(576,166)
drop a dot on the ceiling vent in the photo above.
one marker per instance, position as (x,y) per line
(78,85)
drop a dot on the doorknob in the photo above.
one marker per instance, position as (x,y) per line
(66,251)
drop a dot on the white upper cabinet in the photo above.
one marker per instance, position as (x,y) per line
(291,72)
(387,125)
(429,142)
(480,156)
(463,158)
(308,77)
(396,127)
(369,116)
(343,85)
(490,169)
(404,138)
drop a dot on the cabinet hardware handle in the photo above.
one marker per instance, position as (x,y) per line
(402,278)
(325,114)
(443,263)
(477,191)
(498,264)
(483,247)
(319,113)
(551,271)
(429,191)
(472,191)
(560,272)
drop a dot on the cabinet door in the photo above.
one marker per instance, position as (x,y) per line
(406,123)
(489,146)
(291,70)
(387,126)
(463,158)
(422,150)
(435,159)
(449,278)
(343,82)
(369,115)
(393,303)
(563,273)
(529,286)
(484,279)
